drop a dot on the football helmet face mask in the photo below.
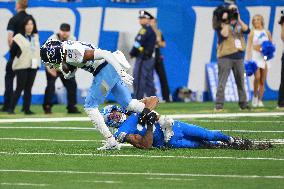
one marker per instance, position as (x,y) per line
(52,53)
(114,116)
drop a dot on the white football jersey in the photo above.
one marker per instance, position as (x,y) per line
(75,52)
(75,55)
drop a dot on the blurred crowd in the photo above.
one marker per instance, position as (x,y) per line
(24,60)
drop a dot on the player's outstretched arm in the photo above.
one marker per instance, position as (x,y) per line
(99,54)
(119,66)
(142,142)
(150,102)
(146,141)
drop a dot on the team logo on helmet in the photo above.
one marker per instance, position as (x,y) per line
(52,53)
(113,115)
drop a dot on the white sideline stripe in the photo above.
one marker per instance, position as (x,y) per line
(140,155)
(91,129)
(47,119)
(145,173)
(52,128)
(249,131)
(177,116)
(23,184)
(171,179)
(237,121)
(102,181)
(274,141)
(50,140)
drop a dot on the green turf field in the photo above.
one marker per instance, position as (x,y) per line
(63,155)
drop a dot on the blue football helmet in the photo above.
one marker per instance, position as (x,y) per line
(114,116)
(52,53)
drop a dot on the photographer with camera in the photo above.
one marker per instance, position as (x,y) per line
(230,52)
(281,88)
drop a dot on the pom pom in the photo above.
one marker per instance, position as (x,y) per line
(250,67)
(267,49)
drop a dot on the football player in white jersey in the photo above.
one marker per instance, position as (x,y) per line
(109,70)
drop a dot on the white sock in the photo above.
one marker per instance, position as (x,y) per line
(135,106)
(98,121)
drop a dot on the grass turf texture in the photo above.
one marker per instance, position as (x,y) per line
(112,170)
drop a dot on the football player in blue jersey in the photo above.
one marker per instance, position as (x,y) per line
(109,70)
(162,131)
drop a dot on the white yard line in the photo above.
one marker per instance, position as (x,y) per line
(168,179)
(102,181)
(22,184)
(46,119)
(236,121)
(52,128)
(248,131)
(139,156)
(92,129)
(273,141)
(49,140)
(177,116)
(145,174)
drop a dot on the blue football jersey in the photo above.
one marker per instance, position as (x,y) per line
(130,126)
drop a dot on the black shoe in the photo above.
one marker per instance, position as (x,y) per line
(29,112)
(47,109)
(73,110)
(11,112)
(245,107)
(4,109)
(241,144)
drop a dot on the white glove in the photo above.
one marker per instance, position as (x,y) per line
(166,124)
(126,78)
(68,75)
(119,56)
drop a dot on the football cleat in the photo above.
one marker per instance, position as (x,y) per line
(110,144)
(241,144)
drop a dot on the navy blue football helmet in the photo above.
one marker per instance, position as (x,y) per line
(52,53)
(111,116)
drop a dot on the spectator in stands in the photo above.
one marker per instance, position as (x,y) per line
(25,55)
(159,65)
(230,55)
(281,88)
(258,35)
(51,75)
(142,50)
(14,26)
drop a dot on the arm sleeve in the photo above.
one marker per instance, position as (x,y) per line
(247,31)
(219,36)
(139,42)
(11,26)
(100,54)
(15,51)
(126,128)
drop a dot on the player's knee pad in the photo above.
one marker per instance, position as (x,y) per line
(135,106)
(98,121)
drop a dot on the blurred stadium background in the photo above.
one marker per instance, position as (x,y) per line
(59,150)
(186,25)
